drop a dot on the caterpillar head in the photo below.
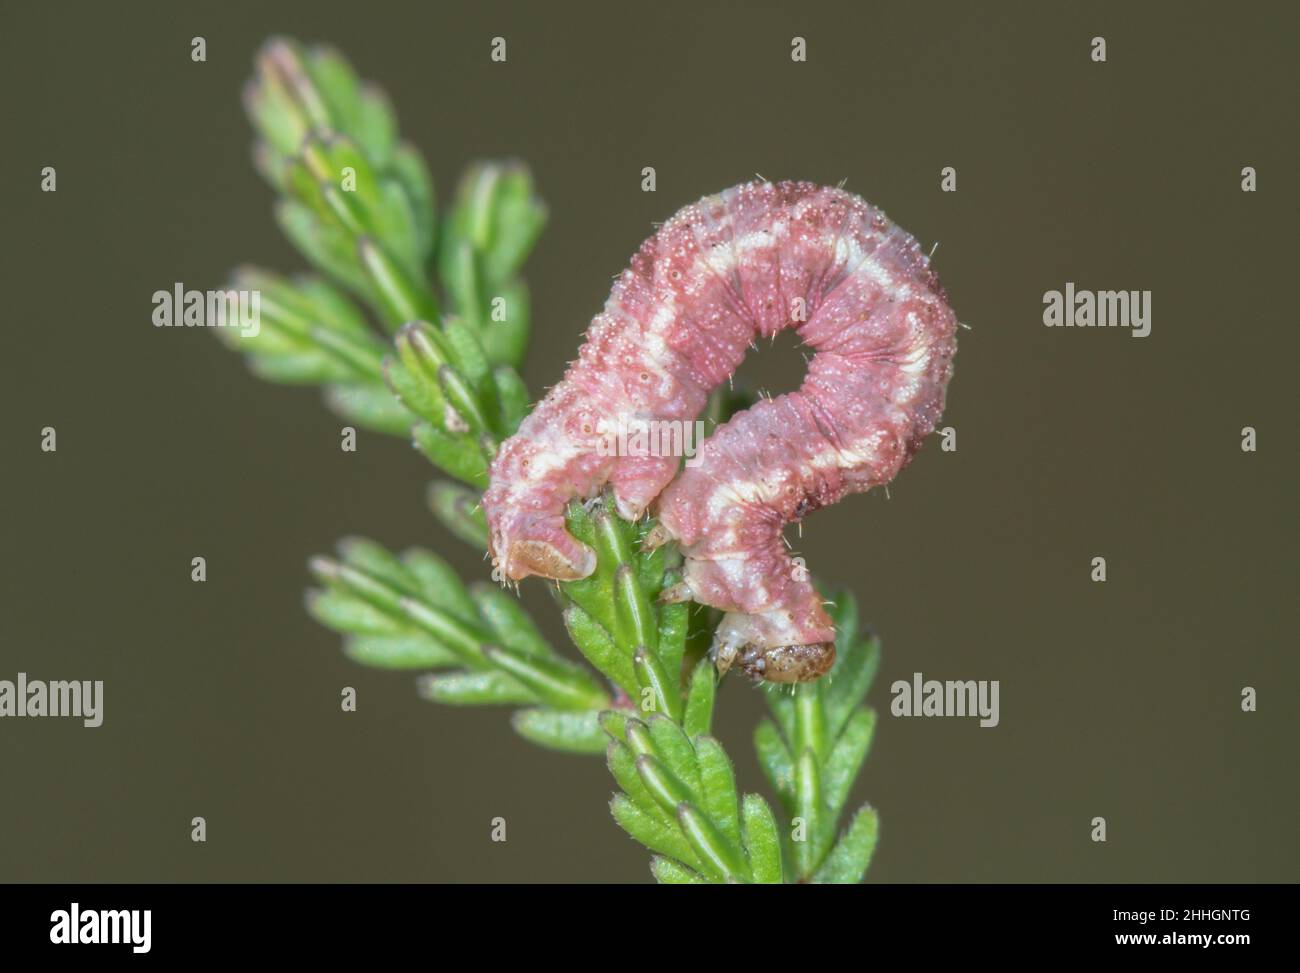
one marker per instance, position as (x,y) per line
(540,546)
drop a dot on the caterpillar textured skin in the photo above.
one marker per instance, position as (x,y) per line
(745,263)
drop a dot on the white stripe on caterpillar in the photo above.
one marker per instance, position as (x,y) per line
(678,321)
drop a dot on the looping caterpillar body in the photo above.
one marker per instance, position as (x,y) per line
(747,262)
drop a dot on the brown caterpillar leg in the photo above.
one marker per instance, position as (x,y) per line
(780,663)
(763,647)
(657,536)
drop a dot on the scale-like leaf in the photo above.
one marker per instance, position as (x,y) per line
(510,624)
(848,861)
(555,682)
(762,840)
(718,795)
(652,832)
(699,700)
(398,652)
(841,767)
(777,763)
(597,645)
(669,872)
(459,510)
(572,732)
(475,689)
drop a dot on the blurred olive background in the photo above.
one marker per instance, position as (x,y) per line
(1119,699)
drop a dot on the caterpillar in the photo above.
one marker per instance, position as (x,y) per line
(747,262)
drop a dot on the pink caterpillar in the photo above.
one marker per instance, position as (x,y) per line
(749,261)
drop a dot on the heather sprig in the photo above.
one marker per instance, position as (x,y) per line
(414,323)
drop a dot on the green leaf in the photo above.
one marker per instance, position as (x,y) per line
(777,763)
(498,216)
(850,681)
(460,637)
(633,607)
(395,222)
(517,219)
(572,732)
(362,357)
(699,700)
(290,309)
(412,612)
(466,401)
(420,396)
(336,84)
(460,511)
(555,682)
(399,296)
(638,736)
(456,456)
(594,594)
(512,626)
(650,673)
(467,353)
(718,788)
(762,840)
(282,101)
(597,645)
(370,407)
(346,613)
(512,398)
(507,323)
(492,225)
(462,279)
(311,334)
(614,723)
(409,168)
(672,747)
(655,834)
(715,851)
(847,863)
(398,652)
(439,584)
(842,766)
(376,560)
(664,786)
(294,368)
(668,872)
(674,621)
(475,689)
(270,106)
(375,125)
(326,246)
(622,763)
(422,349)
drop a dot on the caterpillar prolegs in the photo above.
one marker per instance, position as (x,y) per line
(747,262)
